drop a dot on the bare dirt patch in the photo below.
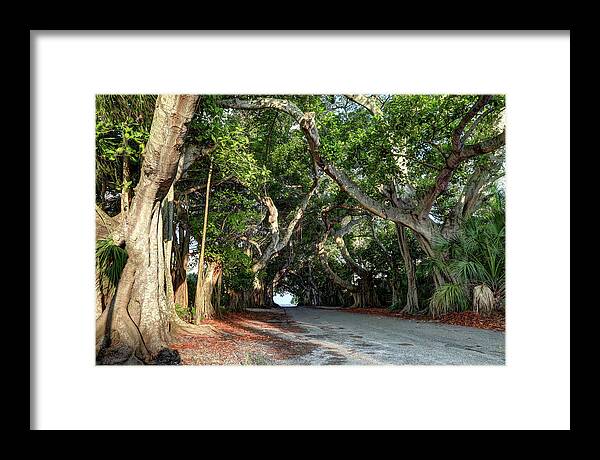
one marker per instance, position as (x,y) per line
(243,338)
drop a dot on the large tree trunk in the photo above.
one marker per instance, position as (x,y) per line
(181,290)
(412,296)
(268,295)
(366,296)
(181,259)
(260,296)
(395,291)
(168,208)
(139,321)
(205,308)
(104,295)
(180,285)
(237,300)
(440,276)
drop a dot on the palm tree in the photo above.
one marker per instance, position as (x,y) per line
(476,261)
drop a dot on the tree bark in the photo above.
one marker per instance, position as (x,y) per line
(392,276)
(366,295)
(412,296)
(139,321)
(205,308)
(181,259)
(168,209)
(279,241)
(369,103)
(125,196)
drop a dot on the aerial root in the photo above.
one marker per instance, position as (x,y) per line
(206,330)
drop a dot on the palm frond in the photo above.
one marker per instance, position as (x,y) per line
(483,299)
(448,297)
(110,261)
(467,270)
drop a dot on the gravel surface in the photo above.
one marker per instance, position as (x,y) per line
(351,339)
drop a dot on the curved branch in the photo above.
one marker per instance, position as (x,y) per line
(471,197)
(253,243)
(486,146)
(189,156)
(264,103)
(197,188)
(453,162)
(373,206)
(476,122)
(299,213)
(278,241)
(325,263)
(309,128)
(369,103)
(355,266)
(473,111)
(338,236)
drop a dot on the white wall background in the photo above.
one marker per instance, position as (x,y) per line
(531,391)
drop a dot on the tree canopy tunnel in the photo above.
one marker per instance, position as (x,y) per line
(207,204)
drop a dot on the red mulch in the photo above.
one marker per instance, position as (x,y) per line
(243,338)
(496,321)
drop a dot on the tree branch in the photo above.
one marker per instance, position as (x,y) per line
(264,103)
(197,188)
(385,251)
(253,243)
(473,111)
(481,148)
(308,125)
(338,237)
(468,134)
(371,205)
(189,156)
(325,263)
(369,103)
(471,197)
(453,162)
(279,242)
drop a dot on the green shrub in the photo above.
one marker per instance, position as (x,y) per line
(397,306)
(448,297)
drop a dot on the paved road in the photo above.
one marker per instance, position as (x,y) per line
(351,338)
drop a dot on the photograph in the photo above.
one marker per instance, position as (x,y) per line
(300,229)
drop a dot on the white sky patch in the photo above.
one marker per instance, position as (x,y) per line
(283,299)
